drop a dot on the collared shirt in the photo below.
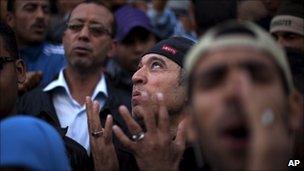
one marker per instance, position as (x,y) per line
(70,113)
(44,57)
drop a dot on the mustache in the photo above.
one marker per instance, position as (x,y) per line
(38,23)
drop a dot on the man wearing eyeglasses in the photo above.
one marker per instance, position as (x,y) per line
(87,41)
(12,71)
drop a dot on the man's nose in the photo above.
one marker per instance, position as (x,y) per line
(139,77)
(40,13)
(84,33)
(238,82)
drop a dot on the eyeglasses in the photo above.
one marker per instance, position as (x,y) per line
(5,59)
(94,29)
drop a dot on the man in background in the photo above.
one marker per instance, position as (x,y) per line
(30,20)
(287,26)
(134,37)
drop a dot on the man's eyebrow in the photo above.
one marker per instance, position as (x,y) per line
(45,6)
(90,22)
(76,19)
(155,58)
(96,22)
(30,4)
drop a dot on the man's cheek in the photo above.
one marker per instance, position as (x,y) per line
(273,98)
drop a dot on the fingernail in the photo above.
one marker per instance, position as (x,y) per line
(87,98)
(267,117)
(115,127)
(95,102)
(160,96)
(121,107)
(145,95)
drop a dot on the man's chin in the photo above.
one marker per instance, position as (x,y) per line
(82,64)
(38,37)
(232,160)
(231,163)
(36,40)
(137,117)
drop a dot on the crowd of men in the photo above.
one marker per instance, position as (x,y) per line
(123,90)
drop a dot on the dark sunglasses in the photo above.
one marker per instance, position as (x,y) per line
(5,59)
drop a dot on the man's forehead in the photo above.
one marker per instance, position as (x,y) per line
(92,12)
(234,55)
(37,2)
(153,56)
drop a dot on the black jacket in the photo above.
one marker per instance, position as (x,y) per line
(39,104)
(120,79)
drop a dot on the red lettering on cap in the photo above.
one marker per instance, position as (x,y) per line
(169,49)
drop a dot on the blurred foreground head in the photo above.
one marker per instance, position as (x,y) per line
(242,96)
(30,143)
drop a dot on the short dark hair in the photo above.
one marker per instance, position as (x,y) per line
(10,5)
(100,3)
(9,40)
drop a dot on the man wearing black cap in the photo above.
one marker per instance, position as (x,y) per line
(158,107)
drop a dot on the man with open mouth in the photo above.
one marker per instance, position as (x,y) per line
(241,94)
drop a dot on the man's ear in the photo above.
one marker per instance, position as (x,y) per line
(10,20)
(296,114)
(21,70)
(112,52)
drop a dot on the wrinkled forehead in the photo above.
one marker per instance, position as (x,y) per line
(232,56)
(21,3)
(93,13)
(150,57)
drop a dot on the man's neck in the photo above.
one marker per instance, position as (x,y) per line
(23,44)
(81,84)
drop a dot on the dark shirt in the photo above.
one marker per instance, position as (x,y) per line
(122,80)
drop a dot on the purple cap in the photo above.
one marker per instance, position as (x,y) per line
(127,18)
